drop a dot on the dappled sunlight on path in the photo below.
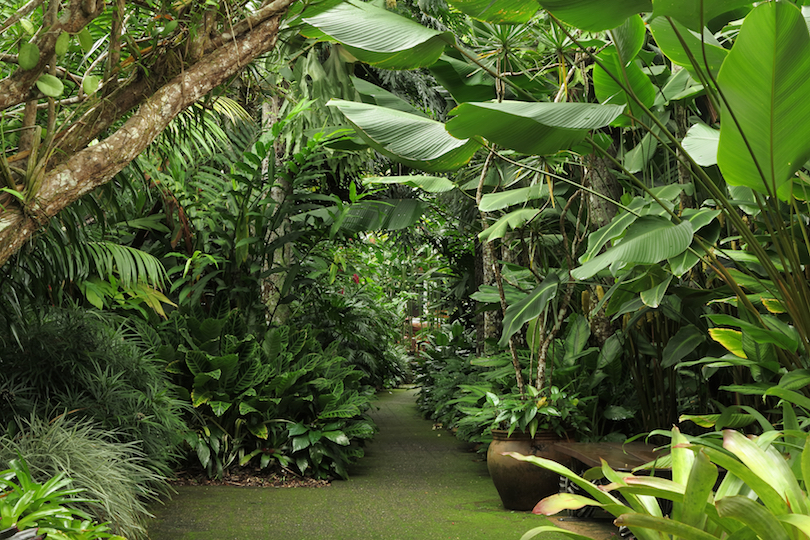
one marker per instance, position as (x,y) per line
(415,483)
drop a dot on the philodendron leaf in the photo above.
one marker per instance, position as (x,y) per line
(498,11)
(765,82)
(688,12)
(531,128)
(50,85)
(595,15)
(650,239)
(418,142)
(431,184)
(529,307)
(382,38)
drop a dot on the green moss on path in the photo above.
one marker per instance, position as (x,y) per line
(414,483)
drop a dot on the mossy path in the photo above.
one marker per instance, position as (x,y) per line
(415,483)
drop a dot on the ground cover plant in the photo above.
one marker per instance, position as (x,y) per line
(85,365)
(279,399)
(113,478)
(50,508)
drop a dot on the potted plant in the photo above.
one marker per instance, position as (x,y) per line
(531,424)
(534,424)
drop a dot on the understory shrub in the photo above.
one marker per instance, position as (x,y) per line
(365,329)
(88,363)
(272,399)
(114,477)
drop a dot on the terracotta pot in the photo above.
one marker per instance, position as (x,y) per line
(522,485)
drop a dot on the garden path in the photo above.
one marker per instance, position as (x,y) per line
(415,483)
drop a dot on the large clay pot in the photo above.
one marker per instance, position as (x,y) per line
(522,485)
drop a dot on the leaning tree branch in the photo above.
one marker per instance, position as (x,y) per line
(96,165)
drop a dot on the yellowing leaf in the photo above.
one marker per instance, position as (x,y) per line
(730,339)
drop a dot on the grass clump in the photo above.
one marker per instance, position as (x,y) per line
(111,473)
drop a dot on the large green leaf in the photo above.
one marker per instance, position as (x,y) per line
(386,215)
(649,240)
(799,521)
(511,221)
(665,525)
(431,184)
(688,12)
(464,81)
(416,141)
(786,338)
(531,128)
(380,37)
(702,478)
(701,144)
(489,294)
(765,81)
(375,95)
(629,38)
(754,515)
(682,343)
(504,199)
(595,14)
(530,307)
(609,91)
(554,530)
(498,11)
(705,49)
(768,465)
(617,226)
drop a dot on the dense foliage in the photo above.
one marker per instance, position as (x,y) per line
(607,234)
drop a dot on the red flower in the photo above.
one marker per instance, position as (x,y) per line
(356,278)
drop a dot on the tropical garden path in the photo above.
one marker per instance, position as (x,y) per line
(415,483)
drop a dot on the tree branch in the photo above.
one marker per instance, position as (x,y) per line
(96,165)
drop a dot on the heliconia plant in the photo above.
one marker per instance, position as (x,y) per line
(703,99)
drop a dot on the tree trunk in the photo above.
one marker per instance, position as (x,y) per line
(599,178)
(280,189)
